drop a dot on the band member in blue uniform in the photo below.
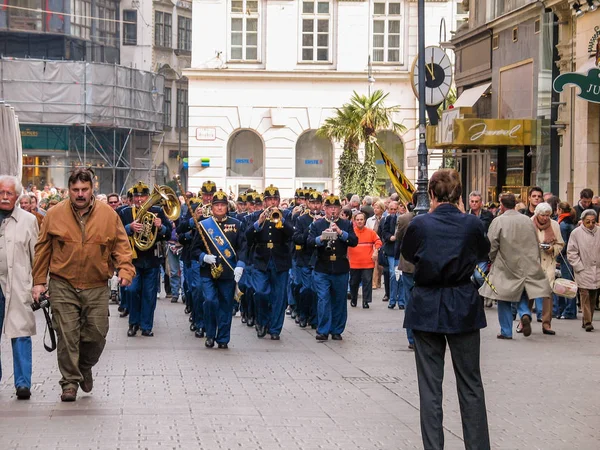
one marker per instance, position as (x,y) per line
(222,256)
(331,236)
(241,204)
(270,234)
(307,297)
(125,291)
(247,304)
(144,287)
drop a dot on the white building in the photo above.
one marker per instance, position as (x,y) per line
(266,73)
(157,37)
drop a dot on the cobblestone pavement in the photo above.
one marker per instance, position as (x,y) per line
(170,392)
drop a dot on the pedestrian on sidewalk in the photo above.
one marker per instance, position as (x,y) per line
(445,246)
(80,241)
(362,260)
(18,235)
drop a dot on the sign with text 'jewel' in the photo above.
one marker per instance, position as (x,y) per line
(589,85)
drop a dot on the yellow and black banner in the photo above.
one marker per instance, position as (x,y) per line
(403,186)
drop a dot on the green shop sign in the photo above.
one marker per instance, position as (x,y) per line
(43,137)
(589,85)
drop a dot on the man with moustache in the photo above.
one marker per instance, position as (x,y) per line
(80,245)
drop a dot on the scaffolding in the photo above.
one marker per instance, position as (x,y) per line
(95,101)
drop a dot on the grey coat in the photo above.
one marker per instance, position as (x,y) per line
(583,253)
(515,257)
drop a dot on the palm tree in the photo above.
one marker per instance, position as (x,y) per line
(359,122)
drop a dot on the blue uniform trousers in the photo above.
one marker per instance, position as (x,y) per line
(143,297)
(247,302)
(195,284)
(187,292)
(332,306)
(270,288)
(125,294)
(307,298)
(218,302)
(22,355)
(396,286)
(293,285)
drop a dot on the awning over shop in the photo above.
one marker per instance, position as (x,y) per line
(469,97)
(482,133)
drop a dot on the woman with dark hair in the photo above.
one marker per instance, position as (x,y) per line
(346,214)
(565,308)
(445,245)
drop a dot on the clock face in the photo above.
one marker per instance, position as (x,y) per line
(438,76)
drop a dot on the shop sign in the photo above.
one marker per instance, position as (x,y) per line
(244,161)
(206,133)
(494,132)
(43,137)
(313,161)
(589,85)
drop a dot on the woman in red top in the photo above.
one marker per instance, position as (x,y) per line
(362,260)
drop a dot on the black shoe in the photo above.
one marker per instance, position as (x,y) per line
(288,311)
(348,296)
(193,327)
(222,346)
(174,300)
(539,320)
(400,306)
(199,333)
(313,326)
(243,318)
(321,337)
(411,346)
(391,306)
(23,393)
(147,333)
(261,331)
(297,320)
(275,337)
(187,310)
(336,337)
(250,321)
(120,309)
(548,331)
(125,313)
(302,323)
(365,305)
(190,319)
(133,329)
(385,298)
(353,304)
(210,343)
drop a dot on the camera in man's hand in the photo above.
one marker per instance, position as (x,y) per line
(43,302)
(545,246)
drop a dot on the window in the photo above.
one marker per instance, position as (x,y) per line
(515,34)
(246,154)
(163,29)
(316,30)
(167,108)
(495,42)
(184,33)
(314,156)
(182,108)
(386,31)
(129,27)
(244,30)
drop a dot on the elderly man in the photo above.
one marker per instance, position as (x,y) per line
(80,244)
(25,203)
(34,205)
(516,267)
(18,235)
(367,206)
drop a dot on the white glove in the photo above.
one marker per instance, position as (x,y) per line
(210,259)
(398,274)
(237,274)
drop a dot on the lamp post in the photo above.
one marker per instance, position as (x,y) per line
(423,178)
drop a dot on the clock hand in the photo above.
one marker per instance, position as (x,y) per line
(430,69)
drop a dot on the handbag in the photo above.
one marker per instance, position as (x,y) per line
(563,287)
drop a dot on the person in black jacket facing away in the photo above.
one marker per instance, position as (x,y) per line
(445,246)
(332,269)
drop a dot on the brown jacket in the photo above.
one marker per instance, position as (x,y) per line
(82,255)
(39,218)
(401,227)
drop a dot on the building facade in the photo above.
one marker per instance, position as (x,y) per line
(266,74)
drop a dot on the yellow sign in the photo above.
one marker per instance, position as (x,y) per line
(29,133)
(495,132)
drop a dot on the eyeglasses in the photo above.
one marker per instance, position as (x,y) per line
(6,193)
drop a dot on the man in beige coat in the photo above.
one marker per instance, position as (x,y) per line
(18,236)
(516,272)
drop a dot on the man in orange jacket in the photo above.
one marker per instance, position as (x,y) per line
(362,260)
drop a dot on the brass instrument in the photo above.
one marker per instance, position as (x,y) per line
(329,234)
(274,215)
(206,210)
(216,270)
(167,199)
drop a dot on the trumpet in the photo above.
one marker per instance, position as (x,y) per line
(329,234)
(275,215)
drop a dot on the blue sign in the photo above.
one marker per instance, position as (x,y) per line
(313,161)
(242,161)
(380,162)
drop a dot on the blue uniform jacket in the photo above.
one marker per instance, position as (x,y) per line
(304,253)
(147,258)
(234,231)
(268,242)
(445,246)
(332,261)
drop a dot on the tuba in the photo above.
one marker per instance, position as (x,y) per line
(167,199)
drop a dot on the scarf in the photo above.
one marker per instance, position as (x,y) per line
(563,216)
(549,237)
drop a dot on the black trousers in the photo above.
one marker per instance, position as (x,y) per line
(430,350)
(366,277)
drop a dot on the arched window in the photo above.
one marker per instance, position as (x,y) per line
(394,147)
(246,155)
(314,156)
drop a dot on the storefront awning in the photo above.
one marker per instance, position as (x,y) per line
(469,97)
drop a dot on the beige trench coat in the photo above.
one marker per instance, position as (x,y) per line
(19,236)
(515,257)
(549,260)
(583,253)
